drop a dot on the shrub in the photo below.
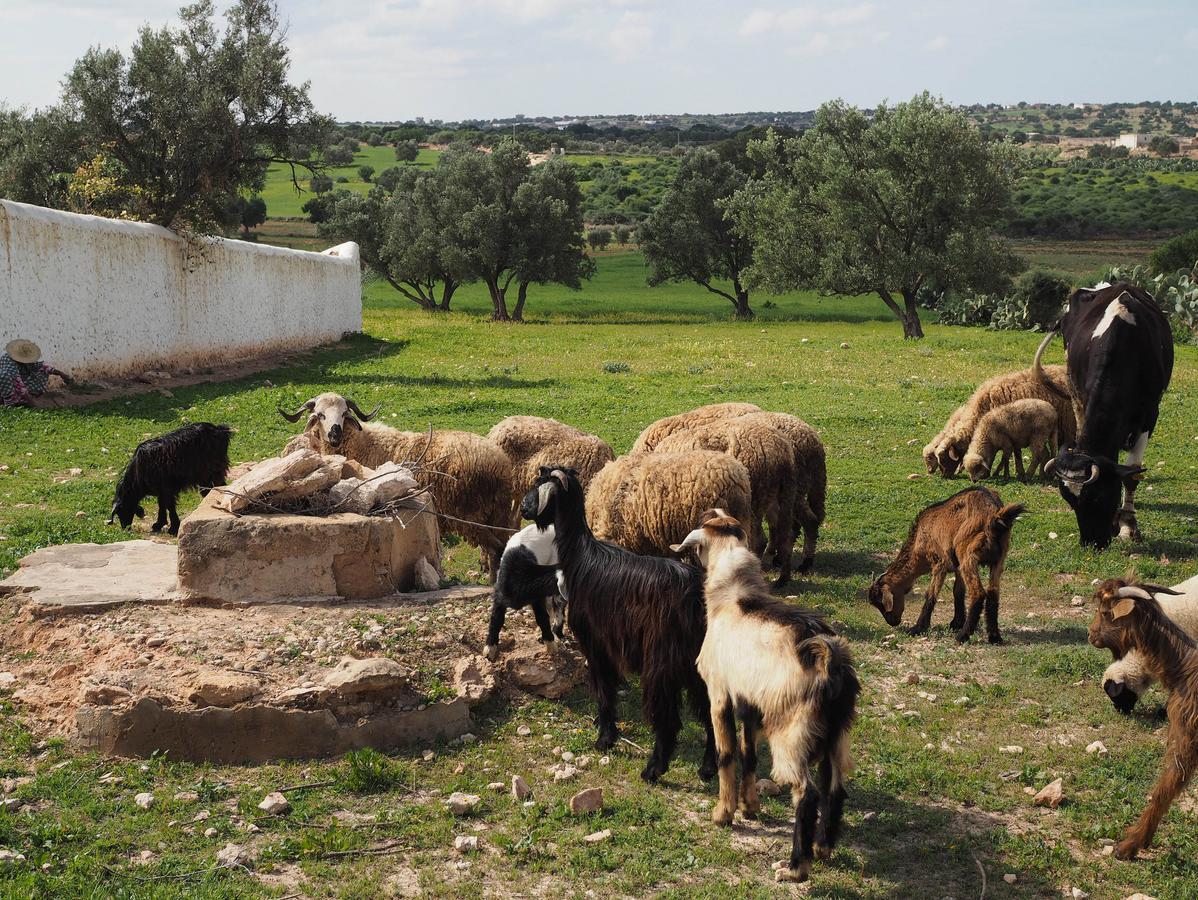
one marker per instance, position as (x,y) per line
(366,173)
(957,309)
(1175,255)
(599,238)
(1042,296)
(369,772)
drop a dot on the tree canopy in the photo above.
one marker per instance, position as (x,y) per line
(688,238)
(192,117)
(881,204)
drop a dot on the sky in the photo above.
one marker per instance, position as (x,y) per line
(387,60)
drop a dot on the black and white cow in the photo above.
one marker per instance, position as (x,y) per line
(1119,350)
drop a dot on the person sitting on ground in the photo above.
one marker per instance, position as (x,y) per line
(23,375)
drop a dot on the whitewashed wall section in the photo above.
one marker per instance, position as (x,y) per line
(106,297)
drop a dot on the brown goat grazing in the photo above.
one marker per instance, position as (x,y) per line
(970,529)
(1129,616)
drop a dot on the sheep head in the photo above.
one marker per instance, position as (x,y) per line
(716,533)
(330,416)
(975,467)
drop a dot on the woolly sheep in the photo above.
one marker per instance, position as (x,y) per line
(469,477)
(653,434)
(811,484)
(531,442)
(644,501)
(954,439)
(768,457)
(1011,427)
(1126,680)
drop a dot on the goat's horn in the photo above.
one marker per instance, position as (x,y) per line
(365,417)
(295,416)
(1159,589)
(1049,466)
(1093,474)
(1134,590)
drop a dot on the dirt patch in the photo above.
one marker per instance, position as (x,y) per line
(356,671)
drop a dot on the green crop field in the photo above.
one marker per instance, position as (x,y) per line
(284,201)
(934,803)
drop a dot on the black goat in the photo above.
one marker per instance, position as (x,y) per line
(528,576)
(194,456)
(629,614)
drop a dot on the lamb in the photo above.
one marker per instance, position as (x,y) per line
(469,477)
(531,442)
(1130,617)
(811,486)
(528,576)
(654,433)
(1129,677)
(952,442)
(970,529)
(780,670)
(769,458)
(629,614)
(196,455)
(643,501)
(1010,428)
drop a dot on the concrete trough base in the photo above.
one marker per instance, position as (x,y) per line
(276,557)
(258,734)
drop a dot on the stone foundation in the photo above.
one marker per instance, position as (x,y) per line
(275,557)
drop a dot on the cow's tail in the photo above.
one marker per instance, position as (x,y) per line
(1038,368)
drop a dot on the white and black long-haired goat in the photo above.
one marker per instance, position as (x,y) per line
(629,614)
(528,576)
(194,456)
(781,671)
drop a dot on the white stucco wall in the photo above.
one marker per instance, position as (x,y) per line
(106,297)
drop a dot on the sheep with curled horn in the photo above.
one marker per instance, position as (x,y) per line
(469,477)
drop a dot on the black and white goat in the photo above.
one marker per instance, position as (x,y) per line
(194,456)
(528,576)
(629,614)
(781,671)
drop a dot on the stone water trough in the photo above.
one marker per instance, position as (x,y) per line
(265,634)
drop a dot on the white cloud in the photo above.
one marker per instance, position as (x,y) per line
(939,42)
(1192,38)
(801,18)
(630,36)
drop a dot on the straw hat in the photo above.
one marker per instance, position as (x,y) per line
(23,351)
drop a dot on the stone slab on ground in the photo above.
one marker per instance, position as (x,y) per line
(279,557)
(92,577)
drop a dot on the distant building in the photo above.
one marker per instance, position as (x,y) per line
(1132,141)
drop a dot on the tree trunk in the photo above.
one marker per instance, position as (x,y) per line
(521,296)
(912,327)
(742,304)
(498,301)
(447,295)
(908,317)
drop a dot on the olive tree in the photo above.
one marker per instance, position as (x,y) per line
(688,238)
(193,117)
(881,204)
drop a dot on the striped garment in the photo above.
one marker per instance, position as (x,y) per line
(19,382)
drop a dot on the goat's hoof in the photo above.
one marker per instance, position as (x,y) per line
(707,770)
(917,630)
(995,639)
(786,873)
(606,741)
(963,636)
(491,652)
(1126,850)
(652,772)
(173,532)
(721,815)
(750,810)
(806,564)
(823,852)
(956,625)
(157,527)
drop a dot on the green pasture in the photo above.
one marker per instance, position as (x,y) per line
(284,201)
(934,802)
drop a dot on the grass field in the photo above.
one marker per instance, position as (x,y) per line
(284,201)
(933,798)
